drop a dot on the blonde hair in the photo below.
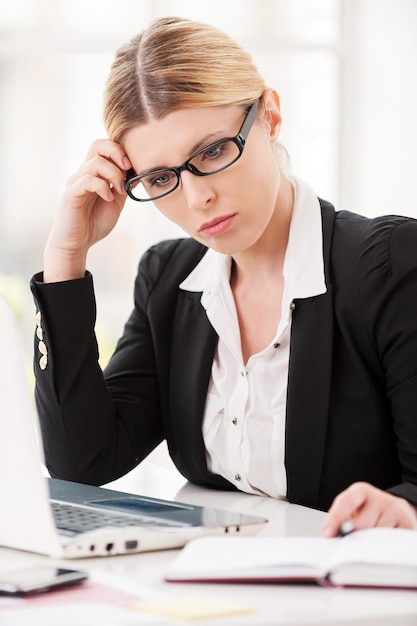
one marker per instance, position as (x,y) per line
(176,63)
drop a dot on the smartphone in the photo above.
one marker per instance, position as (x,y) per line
(38,579)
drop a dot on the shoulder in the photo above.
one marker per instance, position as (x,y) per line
(387,244)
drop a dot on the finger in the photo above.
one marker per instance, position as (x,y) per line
(102,168)
(385,509)
(345,507)
(110,150)
(92,185)
(368,515)
(398,514)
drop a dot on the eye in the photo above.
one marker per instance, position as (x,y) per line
(214,151)
(165,178)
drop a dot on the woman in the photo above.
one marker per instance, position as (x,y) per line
(274,349)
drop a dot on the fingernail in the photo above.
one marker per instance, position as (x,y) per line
(126,162)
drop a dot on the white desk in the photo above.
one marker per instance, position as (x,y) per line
(273,604)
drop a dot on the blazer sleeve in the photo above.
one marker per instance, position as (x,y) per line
(389,300)
(94,427)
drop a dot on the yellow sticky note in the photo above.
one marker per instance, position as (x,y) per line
(192,607)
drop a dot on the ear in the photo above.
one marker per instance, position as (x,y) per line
(272,108)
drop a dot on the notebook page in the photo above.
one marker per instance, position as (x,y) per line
(395,546)
(210,556)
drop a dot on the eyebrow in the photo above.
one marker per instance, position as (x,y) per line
(206,141)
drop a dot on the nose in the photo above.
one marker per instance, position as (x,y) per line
(198,190)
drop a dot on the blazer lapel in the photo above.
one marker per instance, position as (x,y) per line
(193,349)
(308,397)
(309,381)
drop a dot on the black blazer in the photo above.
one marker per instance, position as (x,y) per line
(352,388)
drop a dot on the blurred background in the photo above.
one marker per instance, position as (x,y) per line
(346,72)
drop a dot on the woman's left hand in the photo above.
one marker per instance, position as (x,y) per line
(367,506)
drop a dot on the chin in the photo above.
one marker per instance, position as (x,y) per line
(228,248)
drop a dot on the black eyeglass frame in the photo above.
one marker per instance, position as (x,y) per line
(239,139)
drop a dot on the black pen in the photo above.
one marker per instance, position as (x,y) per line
(346,528)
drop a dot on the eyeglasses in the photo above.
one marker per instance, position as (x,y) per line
(212,159)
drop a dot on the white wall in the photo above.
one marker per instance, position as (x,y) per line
(379,107)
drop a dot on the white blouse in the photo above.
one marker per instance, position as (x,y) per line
(244,419)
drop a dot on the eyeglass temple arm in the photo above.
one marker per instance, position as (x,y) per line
(247,124)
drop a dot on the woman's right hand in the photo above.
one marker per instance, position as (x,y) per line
(90,207)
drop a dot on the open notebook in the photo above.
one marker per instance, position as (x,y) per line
(374,557)
(65,519)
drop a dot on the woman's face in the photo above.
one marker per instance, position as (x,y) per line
(228,211)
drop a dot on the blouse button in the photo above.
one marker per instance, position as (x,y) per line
(238,477)
(234,421)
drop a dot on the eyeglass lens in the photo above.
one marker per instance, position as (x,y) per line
(210,160)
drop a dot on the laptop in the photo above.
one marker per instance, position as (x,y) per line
(70,520)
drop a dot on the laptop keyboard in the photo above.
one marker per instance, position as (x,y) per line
(71,520)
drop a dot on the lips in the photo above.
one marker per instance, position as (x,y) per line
(217,226)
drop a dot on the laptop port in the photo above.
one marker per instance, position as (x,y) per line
(132,544)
